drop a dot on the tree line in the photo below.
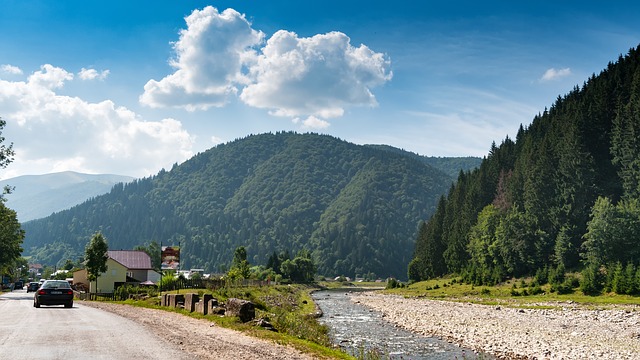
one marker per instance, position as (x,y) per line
(563,195)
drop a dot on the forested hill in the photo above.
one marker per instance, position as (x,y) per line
(563,194)
(356,208)
(449,165)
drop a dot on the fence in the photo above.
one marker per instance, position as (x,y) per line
(211,284)
(180,284)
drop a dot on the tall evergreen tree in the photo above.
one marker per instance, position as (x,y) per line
(625,144)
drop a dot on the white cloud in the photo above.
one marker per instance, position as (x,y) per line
(217,57)
(210,56)
(320,75)
(216,140)
(49,77)
(312,122)
(10,69)
(92,74)
(554,74)
(52,132)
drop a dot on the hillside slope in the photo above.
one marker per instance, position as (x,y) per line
(354,207)
(532,203)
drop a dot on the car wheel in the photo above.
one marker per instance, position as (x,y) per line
(69,304)
(35,304)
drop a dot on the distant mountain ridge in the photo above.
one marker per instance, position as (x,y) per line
(354,207)
(449,165)
(37,196)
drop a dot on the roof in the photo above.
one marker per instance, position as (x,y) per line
(131,259)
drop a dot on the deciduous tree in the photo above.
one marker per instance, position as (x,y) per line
(96,257)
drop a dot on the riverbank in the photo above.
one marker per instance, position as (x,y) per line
(563,331)
(201,339)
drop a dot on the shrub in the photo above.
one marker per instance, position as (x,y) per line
(557,278)
(542,276)
(536,290)
(591,283)
(393,284)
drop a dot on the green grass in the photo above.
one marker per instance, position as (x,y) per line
(454,290)
(287,307)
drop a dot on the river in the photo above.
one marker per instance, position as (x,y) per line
(356,328)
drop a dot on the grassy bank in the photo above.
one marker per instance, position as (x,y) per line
(515,292)
(289,308)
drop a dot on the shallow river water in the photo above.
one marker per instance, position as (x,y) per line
(355,327)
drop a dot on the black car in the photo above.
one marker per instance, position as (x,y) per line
(18,285)
(33,286)
(54,292)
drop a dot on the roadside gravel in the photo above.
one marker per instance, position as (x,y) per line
(201,339)
(568,332)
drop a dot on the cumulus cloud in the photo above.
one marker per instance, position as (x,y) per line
(554,74)
(92,74)
(317,77)
(312,122)
(10,69)
(59,132)
(210,56)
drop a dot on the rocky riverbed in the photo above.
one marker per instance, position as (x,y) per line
(567,331)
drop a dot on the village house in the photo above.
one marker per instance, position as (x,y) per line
(123,267)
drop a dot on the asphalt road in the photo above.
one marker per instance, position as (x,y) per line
(81,332)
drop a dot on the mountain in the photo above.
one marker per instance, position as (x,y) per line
(449,165)
(355,208)
(37,196)
(564,194)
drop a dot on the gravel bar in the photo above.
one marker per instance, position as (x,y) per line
(568,331)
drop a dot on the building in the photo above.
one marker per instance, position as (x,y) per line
(123,267)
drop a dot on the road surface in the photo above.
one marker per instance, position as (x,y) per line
(82,332)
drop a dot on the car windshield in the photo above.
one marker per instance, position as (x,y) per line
(55,285)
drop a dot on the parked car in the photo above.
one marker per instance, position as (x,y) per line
(54,292)
(33,286)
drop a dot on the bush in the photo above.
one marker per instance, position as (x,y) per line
(557,279)
(536,290)
(591,283)
(542,276)
(393,284)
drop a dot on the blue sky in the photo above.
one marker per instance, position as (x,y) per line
(130,87)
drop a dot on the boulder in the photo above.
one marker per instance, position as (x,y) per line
(243,309)
(216,310)
(264,323)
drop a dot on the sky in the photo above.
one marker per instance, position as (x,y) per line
(132,87)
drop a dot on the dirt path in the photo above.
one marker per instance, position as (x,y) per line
(200,338)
